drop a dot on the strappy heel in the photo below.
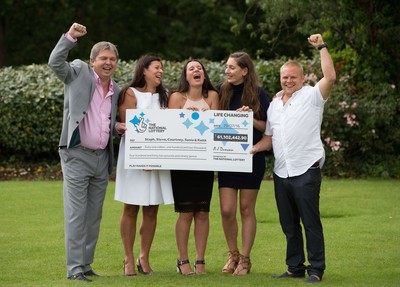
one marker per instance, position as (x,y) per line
(232,263)
(140,268)
(179,263)
(127,274)
(199,262)
(243,267)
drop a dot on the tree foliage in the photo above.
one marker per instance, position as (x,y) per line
(209,29)
(175,30)
(371,28)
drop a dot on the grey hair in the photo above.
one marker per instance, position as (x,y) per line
(100,46)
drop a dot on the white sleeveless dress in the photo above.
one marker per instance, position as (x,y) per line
(139,187)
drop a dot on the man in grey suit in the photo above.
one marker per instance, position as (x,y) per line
(86,144)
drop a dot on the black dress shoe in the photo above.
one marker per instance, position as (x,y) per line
(290,275)
(90,273)
(313,279)
(80,277)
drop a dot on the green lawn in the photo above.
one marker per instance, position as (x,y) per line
(361,221)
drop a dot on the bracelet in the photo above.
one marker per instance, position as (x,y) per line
(323,45)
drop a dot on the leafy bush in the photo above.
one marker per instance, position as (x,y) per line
(361,127)
(31,108)
(360,131)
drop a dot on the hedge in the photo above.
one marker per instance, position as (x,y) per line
(360,131)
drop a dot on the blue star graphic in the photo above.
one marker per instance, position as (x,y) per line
(181,115)
(224,128)
(187,123)
(245,123)
(202,128)
(135,120)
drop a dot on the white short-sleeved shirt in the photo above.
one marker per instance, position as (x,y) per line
(296,131)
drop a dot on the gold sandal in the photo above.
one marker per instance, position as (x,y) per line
(243,267)
(232,263)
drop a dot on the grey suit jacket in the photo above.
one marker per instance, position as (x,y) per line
(79,86)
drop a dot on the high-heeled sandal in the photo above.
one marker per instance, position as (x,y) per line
(179,263)
(232,263)
(199,262)
(127,274)
(243,267)
(140,268)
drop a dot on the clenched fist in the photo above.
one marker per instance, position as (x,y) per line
(77,30)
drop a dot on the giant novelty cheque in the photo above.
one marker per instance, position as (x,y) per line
(188,140)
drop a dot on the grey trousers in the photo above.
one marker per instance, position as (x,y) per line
(86,177)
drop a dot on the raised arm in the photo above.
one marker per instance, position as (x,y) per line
(58,57)
(328,69)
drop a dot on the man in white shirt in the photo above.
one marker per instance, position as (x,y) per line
(293,130)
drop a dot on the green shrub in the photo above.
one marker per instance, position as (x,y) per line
(361,127)
(360,131)
(30,111)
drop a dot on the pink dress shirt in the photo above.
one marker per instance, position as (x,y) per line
(94,129)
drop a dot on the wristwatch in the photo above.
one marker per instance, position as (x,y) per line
(323,45)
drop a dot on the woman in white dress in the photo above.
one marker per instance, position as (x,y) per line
(146,188)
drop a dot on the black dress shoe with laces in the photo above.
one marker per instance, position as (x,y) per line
(79,276)
(90,273)
(290,275)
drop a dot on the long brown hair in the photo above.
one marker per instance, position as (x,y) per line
(184,85)
(139,81)
(250,96)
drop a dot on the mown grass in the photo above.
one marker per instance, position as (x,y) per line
(361,221)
